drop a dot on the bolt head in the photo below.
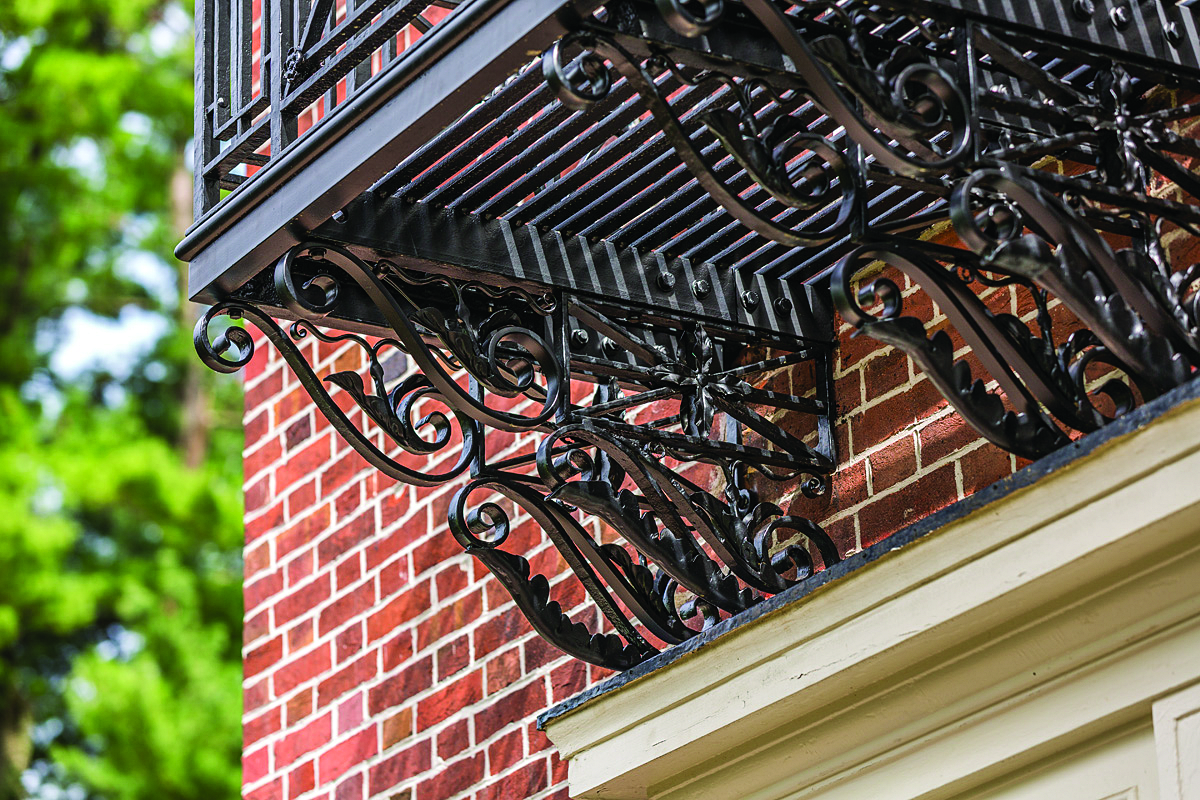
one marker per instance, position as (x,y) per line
(782,305)
(1083,9)
(701,287)
(666,281)
(750,299)
(1119,17)
(579,338)
(1171,34)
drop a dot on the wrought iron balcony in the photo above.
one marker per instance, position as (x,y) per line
(655,200)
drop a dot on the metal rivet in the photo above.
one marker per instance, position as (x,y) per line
(610,347)
(579,338)
(666,281)
(783,305)
(1083,9)
(1119,17)
(701,287)
(220,102)
(750,298)
(1171,34)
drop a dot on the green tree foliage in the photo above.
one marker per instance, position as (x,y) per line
(120,515)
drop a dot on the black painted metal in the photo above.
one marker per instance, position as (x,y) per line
(519,237)
(425,238)
(1162,37)
(436,81)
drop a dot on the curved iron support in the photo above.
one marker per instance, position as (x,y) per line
(909,99)
(938,105)
(1027,430)
(1132,328)
(532,594)
(392,411)
(764,154)
(1072,261)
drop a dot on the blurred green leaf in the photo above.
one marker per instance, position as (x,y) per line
(120,543)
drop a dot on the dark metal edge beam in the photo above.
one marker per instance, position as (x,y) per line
(469,247)
(453,66)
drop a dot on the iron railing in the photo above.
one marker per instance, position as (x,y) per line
(269,70)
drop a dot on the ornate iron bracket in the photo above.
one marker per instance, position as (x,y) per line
(668,396)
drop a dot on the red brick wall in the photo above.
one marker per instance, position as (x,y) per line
(381,661)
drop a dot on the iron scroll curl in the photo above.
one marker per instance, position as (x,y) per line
(393,410)
(767,153)
(478,346)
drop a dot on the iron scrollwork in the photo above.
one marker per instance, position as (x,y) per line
(907,99)
(1042,175)
(392,410)
(677,556)
(1043,172)
(764,150)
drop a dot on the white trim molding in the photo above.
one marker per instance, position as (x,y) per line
(1177,735)
(1051,633)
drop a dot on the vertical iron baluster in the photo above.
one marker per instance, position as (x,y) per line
(205,189)
(387,53)
(331,24)
(243,80)
(283,121)
(224,48)
(362,71)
